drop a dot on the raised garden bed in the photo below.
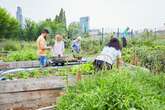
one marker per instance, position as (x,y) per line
(30,90)
(31,94)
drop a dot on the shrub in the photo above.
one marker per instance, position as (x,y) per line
(91,46)
(150,53)
(22,55)
(84,69)
(11,45)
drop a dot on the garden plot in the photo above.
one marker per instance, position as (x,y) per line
(31,94)
(84,69)
(38,88)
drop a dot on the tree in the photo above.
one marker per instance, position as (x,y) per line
(9,26)
(53,26)
(74,29)
(61,18)
(31,30)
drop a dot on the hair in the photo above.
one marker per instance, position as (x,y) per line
(114,42)
(45,31)
(58,38)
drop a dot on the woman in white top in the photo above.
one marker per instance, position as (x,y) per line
(109,55)
(58,49)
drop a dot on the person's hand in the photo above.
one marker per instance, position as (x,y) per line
(49,47)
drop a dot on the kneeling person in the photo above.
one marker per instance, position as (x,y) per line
(109,55)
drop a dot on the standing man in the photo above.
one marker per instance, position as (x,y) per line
(42,47)
(124,35)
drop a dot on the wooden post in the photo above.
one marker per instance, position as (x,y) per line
(118,63)
(78,76)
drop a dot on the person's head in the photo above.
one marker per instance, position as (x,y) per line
(58,38)
(114,42)
(45,33)
(78,38)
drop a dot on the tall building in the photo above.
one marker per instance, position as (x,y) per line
(19,16)
(84,24)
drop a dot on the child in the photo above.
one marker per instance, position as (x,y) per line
(58,49)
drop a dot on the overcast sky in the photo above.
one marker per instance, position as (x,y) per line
(103,13)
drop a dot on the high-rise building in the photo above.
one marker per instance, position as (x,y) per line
(19,16)
(84,24)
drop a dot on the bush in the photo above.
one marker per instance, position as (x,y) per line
(91,46)
(11,45)
(150,53)
(22,55)
(84,69)
(116,90)
(152,58)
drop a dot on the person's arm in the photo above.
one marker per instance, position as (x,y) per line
(43,45)
(48,47)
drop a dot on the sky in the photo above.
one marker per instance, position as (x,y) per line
(137,14)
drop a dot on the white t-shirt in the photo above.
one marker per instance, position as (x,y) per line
(109,55)
(58,48)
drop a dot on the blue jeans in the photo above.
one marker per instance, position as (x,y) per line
(43,61)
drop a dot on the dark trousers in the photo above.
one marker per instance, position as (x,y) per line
(100,65)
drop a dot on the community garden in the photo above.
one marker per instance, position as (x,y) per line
(138,87)
(125,88)
(139,84)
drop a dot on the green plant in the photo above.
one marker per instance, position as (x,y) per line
(9,25)
(149,53)
(10,45)
(116,90)
(83,69)
(22,55)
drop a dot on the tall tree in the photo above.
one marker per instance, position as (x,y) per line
(9,26)
(61,18)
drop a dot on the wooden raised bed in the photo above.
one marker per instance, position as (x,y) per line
(31,94)
(19,64)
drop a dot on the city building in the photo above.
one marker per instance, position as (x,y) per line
(19,16)
(84,24)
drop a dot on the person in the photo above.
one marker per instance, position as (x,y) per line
(58,49)
(109,55)
(42,47)
(124,37)
(76,45)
